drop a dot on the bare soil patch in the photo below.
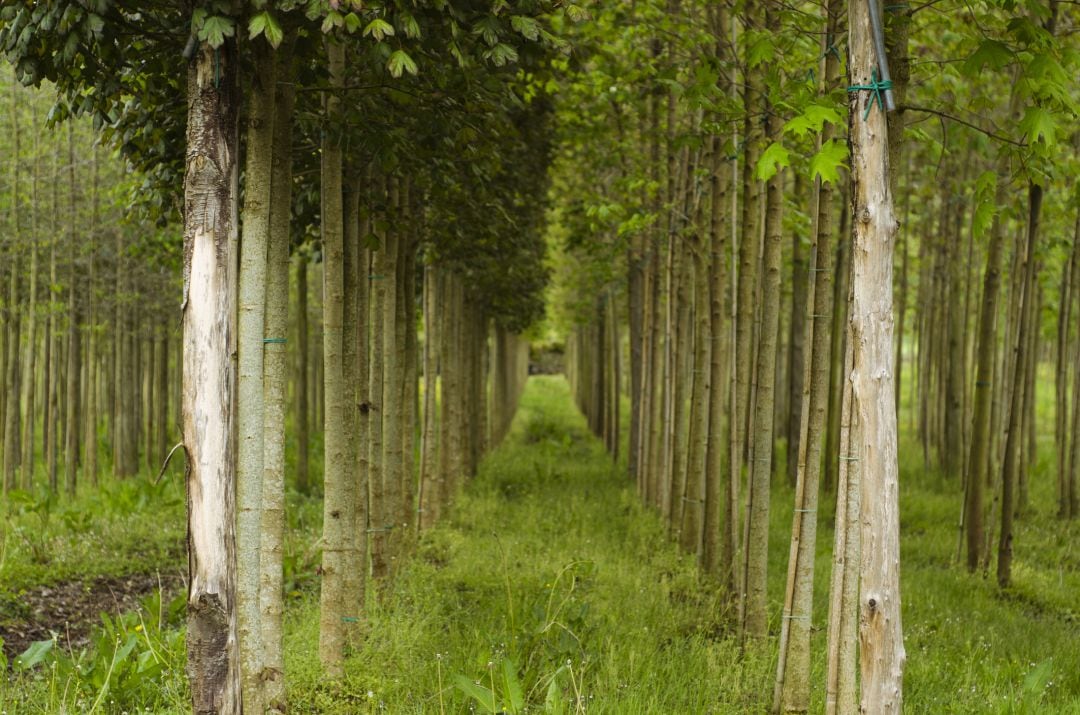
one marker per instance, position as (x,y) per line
(71,609)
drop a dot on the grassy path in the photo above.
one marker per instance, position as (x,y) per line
(549,585)
(547,563)
(549,570)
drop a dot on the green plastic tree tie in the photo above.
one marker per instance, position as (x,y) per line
(273,341)
(876,87)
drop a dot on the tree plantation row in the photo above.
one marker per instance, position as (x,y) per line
(809,235)
(439,193)
(778,286)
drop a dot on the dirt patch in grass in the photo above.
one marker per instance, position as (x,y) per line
(71,609)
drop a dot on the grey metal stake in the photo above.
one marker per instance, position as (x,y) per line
(879,47)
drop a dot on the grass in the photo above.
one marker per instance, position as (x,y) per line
(547,561)
(548,586)
(122,527)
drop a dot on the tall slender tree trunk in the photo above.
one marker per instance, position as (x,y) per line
(339,501)
(881,646)
(251,407)
(210,237)
(981,442)
(651,424)
(1069,506)
(11,381)
(755,614)
(26,461)
(303,409)
(74,340)
(1016,410)
(841,685)
(275,377)
(1028,452)
(693,498)
(410,386)
(839,347)
(447,308)
(1062,431)
(428,498)
(720,505)
(792,692)
(92,387)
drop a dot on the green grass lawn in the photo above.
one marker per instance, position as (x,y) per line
(549,585)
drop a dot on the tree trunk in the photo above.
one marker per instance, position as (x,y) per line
(1070,498)
(339,502)
(251,408)
(981,442)
(210,237)
(428,498)
(1016,410)
(792,692)
(796,377)
(409,515)
(1062,431)
(755,613)
(11,381)
(841,685)
(275,377)
(74,340)
(839,347)
(693,497)
(303,410)
(91,437)
(720,505)
(881,646)
(29,382)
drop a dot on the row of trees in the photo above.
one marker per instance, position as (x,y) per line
(402,147)
(701,143)
(86,351)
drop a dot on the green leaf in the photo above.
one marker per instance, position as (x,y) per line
(989,52)
(265,24)
(827,162)
(1035,681)
(488,28)
(32,655)
(352,22)
(813,119)
(985,205)
(215,29)
(333,19)
(3,657)
(576,13)
(400,61)
(761,51)
(771,161)
(513,687)
(409,24)
(553,698)
(379,29)
(484,697)
(1039,124)
(526,26)
(501,54)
